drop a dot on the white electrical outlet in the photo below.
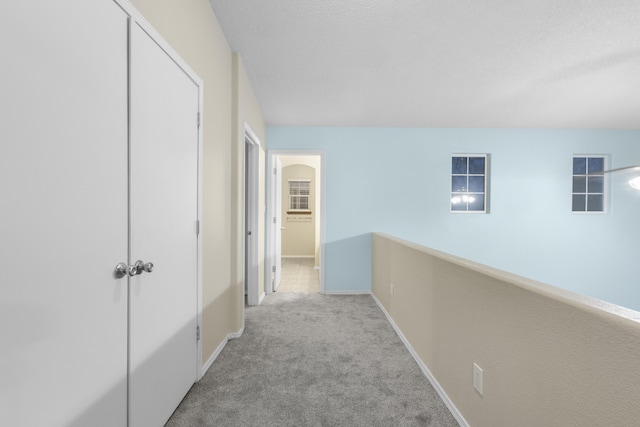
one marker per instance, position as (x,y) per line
(477,378)
(391,289)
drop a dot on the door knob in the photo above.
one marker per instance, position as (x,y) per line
(148,267)
(140,267)
(137,268)
(121,270)
(132,270)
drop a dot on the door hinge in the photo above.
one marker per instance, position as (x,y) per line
(198,227)
(198,119)
(273,268)
(275,171)
(197,333)
(274,220)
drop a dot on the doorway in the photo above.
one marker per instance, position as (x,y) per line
(251,218)
(296,216)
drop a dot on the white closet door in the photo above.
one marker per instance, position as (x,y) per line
(277,229)
(63,214)
(163,203)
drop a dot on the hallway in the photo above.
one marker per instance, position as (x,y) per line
(299,275)
(307,359)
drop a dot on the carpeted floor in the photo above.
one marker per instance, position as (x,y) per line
(314,360)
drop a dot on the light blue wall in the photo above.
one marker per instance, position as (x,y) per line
(396,180)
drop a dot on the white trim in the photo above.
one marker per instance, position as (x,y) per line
(273,222)
(321,215)
(252,136)
(253,287)
(214,356)
(137,18)
(200,224)
(298,256)
(234,335)
(438,388)
(348,293)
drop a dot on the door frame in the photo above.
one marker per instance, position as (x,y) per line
(251,214)
(200,369)
(275,275)
(271,228)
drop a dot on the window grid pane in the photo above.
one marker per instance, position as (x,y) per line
(468,183)
(299,192)
(588,184)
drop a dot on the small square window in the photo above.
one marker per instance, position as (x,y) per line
(595,203)
(595,184)
(476,165)
(579,184)
(459,165)
(579,165)
(476,184)
(579,203)
(588,190)
(596,165)
(299,192)
(459,183)
(469,183)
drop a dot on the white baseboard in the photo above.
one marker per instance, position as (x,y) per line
(348,293)
(454,411)
(234,335)
(216,353)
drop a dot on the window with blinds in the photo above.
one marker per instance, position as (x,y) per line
(299,192)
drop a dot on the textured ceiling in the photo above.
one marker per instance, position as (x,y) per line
(440,63)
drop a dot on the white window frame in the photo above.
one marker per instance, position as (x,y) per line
(299,196)
(605,184)
(485,195)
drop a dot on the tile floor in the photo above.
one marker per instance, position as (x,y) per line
(299,275)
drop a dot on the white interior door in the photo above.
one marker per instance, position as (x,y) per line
(163,216)
(277,227)
(252,266)
(63,228)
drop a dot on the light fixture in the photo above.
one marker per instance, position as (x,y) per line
(634,182)
(460,199)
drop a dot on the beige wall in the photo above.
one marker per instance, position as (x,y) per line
(550,357)
(246,111)
(299,234)
(313,161)
(192,30)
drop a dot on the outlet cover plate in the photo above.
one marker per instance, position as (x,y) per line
(477,378)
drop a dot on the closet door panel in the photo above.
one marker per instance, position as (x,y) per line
(163,203)
(63,227)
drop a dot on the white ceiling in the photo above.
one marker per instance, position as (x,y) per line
(440,63)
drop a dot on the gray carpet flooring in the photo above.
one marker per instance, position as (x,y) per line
(314,360)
